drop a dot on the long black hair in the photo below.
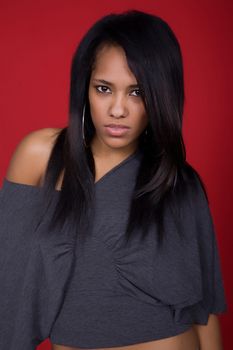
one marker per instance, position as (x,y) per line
(154,56)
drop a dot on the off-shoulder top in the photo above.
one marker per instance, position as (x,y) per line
(97,293)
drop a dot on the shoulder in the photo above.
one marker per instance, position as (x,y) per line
(29,159)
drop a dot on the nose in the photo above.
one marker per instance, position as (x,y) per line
(118,107)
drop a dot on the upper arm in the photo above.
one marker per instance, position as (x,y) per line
(30,157)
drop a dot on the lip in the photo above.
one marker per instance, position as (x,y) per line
(117,126)
(116,130)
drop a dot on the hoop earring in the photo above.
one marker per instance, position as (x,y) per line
(83,117)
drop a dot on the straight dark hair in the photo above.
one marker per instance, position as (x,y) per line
(154,56)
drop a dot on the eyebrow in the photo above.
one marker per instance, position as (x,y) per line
(111,84)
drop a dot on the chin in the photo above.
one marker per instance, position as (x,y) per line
(119,144)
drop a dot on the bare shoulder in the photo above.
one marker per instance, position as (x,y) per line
(29,159)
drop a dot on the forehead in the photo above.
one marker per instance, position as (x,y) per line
(111,64)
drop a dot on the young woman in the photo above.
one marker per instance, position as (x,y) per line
(107,239)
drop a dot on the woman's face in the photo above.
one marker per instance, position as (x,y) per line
(115,98)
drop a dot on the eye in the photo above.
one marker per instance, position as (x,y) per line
(103,87)
(138,94)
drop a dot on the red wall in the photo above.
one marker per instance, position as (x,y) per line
(37,41)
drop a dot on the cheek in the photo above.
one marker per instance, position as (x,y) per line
(96,111)
(96,104)
(140,116)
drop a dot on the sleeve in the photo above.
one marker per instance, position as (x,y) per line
(35,266)
(199,223)
(23,290)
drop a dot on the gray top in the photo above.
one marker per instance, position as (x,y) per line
(98,294)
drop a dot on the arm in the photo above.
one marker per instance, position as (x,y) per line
(29,159)
(209,335)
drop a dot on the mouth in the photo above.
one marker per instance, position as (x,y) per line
(117,126)
(116,129)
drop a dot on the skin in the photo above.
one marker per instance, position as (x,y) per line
(114,103)
(210,335)
(184,341)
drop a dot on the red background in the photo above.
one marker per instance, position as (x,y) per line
(38,39)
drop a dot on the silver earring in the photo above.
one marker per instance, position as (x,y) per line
(146,132)
(83,117)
